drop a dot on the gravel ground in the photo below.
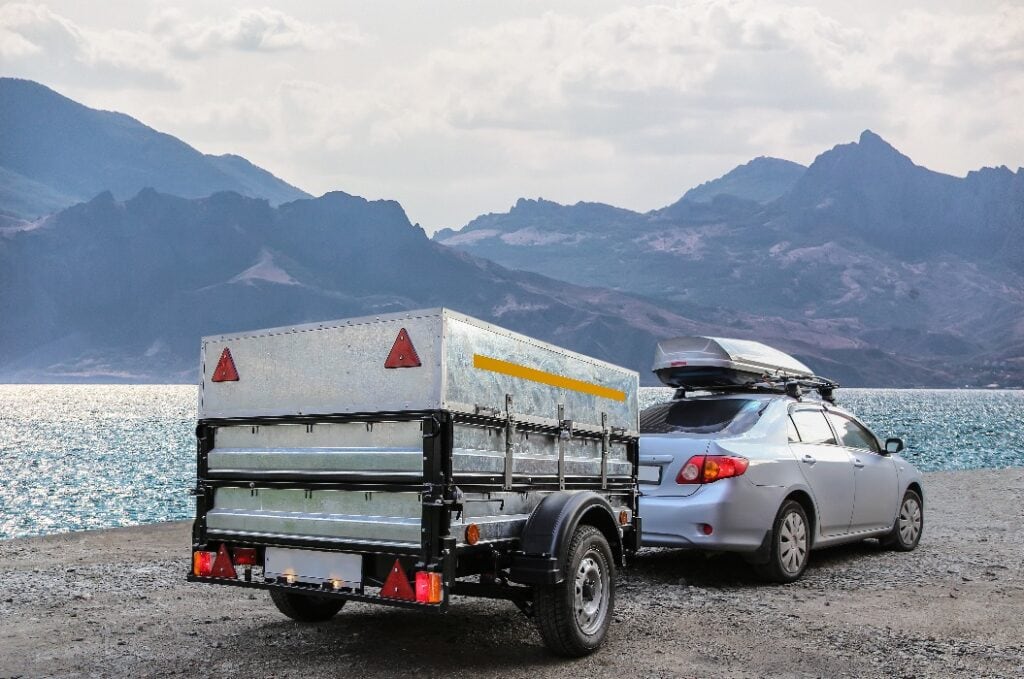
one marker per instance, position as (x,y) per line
(114,603)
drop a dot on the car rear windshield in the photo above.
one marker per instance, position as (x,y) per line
(719,417)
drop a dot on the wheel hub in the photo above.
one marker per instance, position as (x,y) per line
(590,597)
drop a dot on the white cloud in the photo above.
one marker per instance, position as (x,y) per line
(38,43)
(249,30)
(456,112)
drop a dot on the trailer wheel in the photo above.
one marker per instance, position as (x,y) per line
(305,608)
(573,615)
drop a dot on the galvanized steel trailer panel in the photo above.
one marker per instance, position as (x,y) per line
(468,366)
(318,444)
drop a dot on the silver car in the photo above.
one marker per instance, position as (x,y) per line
(772,477)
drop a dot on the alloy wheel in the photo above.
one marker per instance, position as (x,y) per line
(910,520)
(793,543)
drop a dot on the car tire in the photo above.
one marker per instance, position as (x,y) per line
(573,615)
(305,608)
(908,526)
(790,545)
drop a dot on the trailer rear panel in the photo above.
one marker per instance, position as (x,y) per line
(349,456)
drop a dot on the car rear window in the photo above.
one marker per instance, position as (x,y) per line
(721,417)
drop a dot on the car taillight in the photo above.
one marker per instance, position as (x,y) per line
(708,468)
(691,471)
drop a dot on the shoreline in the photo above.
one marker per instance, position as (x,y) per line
(189,519)
(117,600)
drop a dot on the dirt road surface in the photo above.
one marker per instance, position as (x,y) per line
(115,603)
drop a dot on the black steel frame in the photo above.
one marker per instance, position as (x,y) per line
(437,550)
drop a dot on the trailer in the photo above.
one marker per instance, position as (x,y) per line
(403,459)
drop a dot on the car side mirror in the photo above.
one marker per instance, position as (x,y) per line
(893,445)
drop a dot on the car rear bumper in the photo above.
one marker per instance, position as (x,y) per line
(740,515)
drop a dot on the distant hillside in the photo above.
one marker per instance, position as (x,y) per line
(762,180)
(55,152)
(122,291)
(909,263)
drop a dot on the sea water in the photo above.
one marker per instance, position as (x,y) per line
(76,457)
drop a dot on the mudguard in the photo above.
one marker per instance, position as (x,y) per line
(546,536)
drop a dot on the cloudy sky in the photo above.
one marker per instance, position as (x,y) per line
(459,108)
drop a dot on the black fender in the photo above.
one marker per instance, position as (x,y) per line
(544,543)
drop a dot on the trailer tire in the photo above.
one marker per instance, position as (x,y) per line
(573,615)
(305,608)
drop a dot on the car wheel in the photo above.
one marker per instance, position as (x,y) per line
(790,545)
(304,608)
(909,524)
(573,615)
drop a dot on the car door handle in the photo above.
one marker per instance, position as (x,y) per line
(857,463)
(809,459)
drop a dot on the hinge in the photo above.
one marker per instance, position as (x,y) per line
(510,432)
(605,444)
(564,434)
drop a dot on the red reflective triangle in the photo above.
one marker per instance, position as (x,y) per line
(397,585)
(222,566)
(226,371)
(403,354)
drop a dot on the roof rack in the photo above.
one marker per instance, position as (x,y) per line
(790,386)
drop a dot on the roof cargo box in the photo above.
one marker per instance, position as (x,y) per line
(413,361)
(718,362)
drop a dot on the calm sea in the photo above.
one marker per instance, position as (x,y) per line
(94,456)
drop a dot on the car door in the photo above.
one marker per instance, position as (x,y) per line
(875,494)
(826,466)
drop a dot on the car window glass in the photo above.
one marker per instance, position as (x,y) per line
(707,417)
(852,434)
(794,435)
(812,427)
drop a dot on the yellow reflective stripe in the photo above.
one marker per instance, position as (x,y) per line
(551,379)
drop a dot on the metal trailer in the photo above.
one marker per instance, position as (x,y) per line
(402,459)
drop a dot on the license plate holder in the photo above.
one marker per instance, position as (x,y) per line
(313,567)
(647,473)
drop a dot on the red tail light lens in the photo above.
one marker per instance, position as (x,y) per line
(708,468)
(428,587)
(202,563)
(244,556)
(691,471)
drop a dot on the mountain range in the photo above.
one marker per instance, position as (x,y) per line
(120,246)
(56,152)
(894,257)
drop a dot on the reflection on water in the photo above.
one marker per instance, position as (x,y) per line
(74,457)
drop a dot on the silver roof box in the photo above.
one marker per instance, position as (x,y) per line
(720,362)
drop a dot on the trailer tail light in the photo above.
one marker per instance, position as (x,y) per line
(709,468)
(202,563)
(244,556)
(428,587)
(472,534)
